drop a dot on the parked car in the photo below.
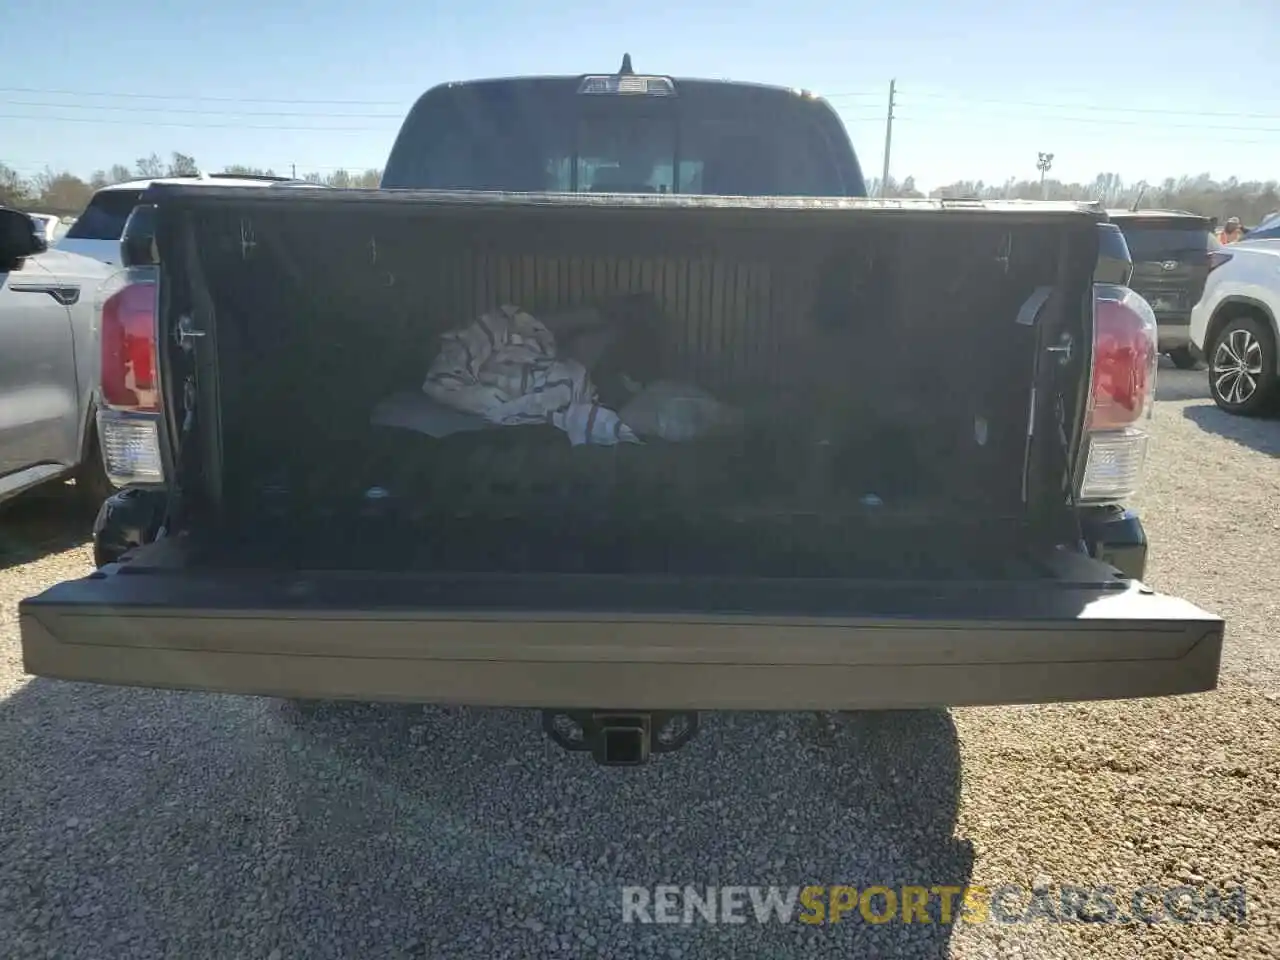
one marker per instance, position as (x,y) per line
(827,540)
(48,363)
(97,231)
(1267,229)
(1235,325)
(49,226)
(1173,252)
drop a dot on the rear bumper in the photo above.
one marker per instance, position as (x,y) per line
(583,642)
(1116,536)
(1173,333)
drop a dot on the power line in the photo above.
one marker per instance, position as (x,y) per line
(40,166)
(969,118)
(876,118)
(249,115)
(1093,121)
(174,96)
(1058,105)
(1088,106)
(233,113)
(197,126)
(133,95)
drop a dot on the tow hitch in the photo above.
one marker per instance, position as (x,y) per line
(620,738)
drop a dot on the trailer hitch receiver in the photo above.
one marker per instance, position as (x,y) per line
(620,738)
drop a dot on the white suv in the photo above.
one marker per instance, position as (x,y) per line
(1236,325)
(98,231)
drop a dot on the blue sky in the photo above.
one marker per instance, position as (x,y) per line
(1147,91)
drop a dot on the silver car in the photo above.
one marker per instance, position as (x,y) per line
(50,227)
(48,362)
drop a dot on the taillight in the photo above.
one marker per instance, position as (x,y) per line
(1125,359)
(128,337)
(129,392)
(130,444)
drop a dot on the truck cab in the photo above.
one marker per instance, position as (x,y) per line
(624,134)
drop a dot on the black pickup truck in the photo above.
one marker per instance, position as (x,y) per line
(872,512)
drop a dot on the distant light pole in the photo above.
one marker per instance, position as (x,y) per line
(1043,163)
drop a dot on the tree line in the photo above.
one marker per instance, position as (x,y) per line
(65,194)
(1250,200)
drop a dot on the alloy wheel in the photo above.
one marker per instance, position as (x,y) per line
(1237,366)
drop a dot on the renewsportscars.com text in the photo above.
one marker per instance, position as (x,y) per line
(1008,903)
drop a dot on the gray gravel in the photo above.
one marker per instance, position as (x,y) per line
(148,824)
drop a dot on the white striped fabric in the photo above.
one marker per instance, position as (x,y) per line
(504,367)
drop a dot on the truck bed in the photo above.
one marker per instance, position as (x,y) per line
(890,528)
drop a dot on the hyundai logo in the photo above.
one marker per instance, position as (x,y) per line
(1169,265)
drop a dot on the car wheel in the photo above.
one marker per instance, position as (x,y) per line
(1242,367)
(1184,358)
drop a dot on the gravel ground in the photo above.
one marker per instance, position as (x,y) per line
(148,824)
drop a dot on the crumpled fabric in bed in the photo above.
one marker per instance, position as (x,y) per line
(504,367)
(679,412)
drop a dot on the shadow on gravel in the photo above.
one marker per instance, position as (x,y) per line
(140,823)
(755,800)
(1256,433)
(47,520)
(1175,384)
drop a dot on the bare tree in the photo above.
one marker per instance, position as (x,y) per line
(1251,201)
(14,190)
(892,187)
(182,165)
(62,192)
(151,166)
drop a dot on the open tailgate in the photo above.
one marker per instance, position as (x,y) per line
(587,641)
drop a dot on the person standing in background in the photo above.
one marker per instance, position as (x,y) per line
(1231,231)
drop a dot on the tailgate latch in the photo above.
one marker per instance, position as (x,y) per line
(186,333)
(1064,348)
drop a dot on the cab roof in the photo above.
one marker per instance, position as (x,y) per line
(696,84)
(1151,214)
(213,180)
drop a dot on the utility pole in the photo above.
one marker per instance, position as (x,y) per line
(888,137)
(1043,163)
(293,170)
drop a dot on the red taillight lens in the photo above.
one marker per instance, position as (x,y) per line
(1125,358)
(128,378)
